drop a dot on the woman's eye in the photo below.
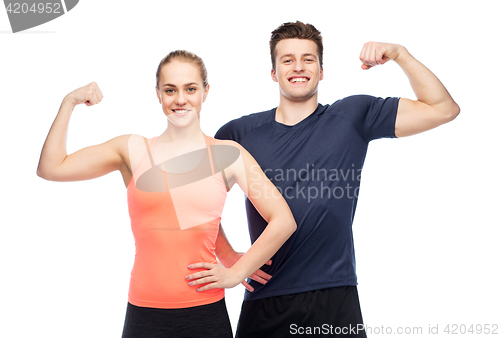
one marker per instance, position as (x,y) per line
(169,91)
(191,90)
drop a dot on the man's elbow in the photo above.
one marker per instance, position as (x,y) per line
(452,112)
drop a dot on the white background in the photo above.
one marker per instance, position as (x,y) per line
(426,227)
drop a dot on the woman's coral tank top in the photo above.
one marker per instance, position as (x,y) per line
(175,221)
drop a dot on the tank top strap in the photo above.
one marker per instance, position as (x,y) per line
(149,151)
(215,168)
(210,141)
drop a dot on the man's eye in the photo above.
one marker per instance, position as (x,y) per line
(287,61)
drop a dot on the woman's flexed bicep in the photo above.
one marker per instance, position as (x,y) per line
(89,162)
(84,164)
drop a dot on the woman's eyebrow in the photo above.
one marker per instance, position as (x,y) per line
(185,85)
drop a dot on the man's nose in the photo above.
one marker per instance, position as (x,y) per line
(298,66)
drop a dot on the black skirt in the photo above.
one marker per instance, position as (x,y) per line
(210,320)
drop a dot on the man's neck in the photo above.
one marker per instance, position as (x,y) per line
(292,112)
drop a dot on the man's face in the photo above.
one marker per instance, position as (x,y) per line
(297,69)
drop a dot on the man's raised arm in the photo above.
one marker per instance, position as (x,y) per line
(434,105)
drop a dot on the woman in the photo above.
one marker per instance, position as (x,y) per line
(176,188)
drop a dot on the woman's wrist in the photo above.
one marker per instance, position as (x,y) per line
(69,100)
(239,274)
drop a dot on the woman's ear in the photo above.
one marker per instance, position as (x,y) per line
(206,92)
(158,94)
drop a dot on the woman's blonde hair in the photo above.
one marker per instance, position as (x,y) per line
(183,55)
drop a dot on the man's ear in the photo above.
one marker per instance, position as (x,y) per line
(321,74)
(273,75)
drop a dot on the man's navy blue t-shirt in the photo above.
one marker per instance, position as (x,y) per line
(316,165)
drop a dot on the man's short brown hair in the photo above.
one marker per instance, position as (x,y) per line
(296,30)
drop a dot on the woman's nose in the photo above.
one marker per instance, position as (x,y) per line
(180,99)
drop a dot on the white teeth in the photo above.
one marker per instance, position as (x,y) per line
(180,111)
(299,79)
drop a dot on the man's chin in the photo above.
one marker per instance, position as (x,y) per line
(300,97)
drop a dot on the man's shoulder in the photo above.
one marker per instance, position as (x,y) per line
(350,102)
(254,118)
(235,129)
(359,105)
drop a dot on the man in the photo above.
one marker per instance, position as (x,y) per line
(314,153)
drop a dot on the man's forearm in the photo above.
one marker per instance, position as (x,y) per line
(223,248)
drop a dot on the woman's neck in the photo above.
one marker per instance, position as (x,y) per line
(175,141)
(188,135)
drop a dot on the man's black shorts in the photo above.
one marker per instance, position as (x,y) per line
(332,312)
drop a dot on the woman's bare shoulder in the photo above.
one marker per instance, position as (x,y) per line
(228,143)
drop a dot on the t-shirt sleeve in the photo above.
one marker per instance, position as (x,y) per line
(234,130)
(373,117)
(226,132)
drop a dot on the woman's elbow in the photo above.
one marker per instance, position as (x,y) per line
(43,174)
(46,174)
(40,173)
(292,225)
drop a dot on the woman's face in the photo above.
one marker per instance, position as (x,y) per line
(181,92)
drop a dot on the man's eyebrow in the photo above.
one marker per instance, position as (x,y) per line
(309,55)
(303,55)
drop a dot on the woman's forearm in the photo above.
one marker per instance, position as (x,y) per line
(272,238)
(54,148)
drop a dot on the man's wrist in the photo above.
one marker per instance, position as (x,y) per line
(401,54)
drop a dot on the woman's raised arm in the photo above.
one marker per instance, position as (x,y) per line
(89,162)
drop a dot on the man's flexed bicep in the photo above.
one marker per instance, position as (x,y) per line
(433,107)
